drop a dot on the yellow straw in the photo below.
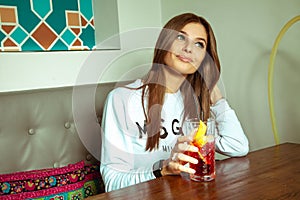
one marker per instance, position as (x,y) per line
(271,71)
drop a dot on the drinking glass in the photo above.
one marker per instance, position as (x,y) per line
(205,168)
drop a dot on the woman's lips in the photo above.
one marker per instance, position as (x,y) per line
(184,59)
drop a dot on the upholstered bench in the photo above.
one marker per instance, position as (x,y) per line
(42,155)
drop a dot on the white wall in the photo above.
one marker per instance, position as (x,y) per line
(32,70)
(245,32)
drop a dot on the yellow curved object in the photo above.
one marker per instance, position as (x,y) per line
(200,137)
(271,71)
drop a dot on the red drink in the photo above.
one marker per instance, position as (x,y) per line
(204,140)
(205,169)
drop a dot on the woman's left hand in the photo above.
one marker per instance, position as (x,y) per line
(175,164)
(215,95)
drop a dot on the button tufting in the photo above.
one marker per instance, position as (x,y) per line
(55,165)
(67,125)
(89,157)
(31,131)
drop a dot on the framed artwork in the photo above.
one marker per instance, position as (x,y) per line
(47,25)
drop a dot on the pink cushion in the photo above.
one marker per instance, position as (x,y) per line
(75,181)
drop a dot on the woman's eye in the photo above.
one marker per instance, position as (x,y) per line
(180,37)
(199,44)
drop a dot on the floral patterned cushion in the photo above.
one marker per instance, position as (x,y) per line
(75,181)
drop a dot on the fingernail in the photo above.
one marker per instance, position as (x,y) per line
(195,149)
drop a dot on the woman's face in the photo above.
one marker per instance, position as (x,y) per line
(188,50)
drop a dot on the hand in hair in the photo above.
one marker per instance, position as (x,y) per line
(215,95)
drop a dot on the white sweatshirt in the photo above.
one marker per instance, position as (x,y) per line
(125,162)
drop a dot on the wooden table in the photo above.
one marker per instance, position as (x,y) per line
(270,173)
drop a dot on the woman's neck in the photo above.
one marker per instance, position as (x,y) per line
(173,80)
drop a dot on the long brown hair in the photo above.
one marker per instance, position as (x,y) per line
(195,89)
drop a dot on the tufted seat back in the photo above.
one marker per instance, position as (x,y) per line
(37,129)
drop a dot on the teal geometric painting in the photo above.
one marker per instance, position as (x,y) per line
(46,25)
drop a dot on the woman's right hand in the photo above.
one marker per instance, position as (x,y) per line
(176,163)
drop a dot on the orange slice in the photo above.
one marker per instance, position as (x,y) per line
(199,137)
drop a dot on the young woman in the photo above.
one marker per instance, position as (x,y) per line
(142,137)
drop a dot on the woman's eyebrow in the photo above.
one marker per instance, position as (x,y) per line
(197,38)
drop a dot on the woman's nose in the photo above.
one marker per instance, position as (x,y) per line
(187,47)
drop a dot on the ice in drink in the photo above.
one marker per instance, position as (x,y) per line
(205,168)
(205,141)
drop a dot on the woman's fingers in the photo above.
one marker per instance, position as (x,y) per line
(183,158)
(185,138)
(182,147)
(177,168)
(178,158)
(216,95)
(184,144)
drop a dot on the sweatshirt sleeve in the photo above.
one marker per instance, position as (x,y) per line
(231,139)
(118,156)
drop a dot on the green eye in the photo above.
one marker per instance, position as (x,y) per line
(180,37)
(199,44)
